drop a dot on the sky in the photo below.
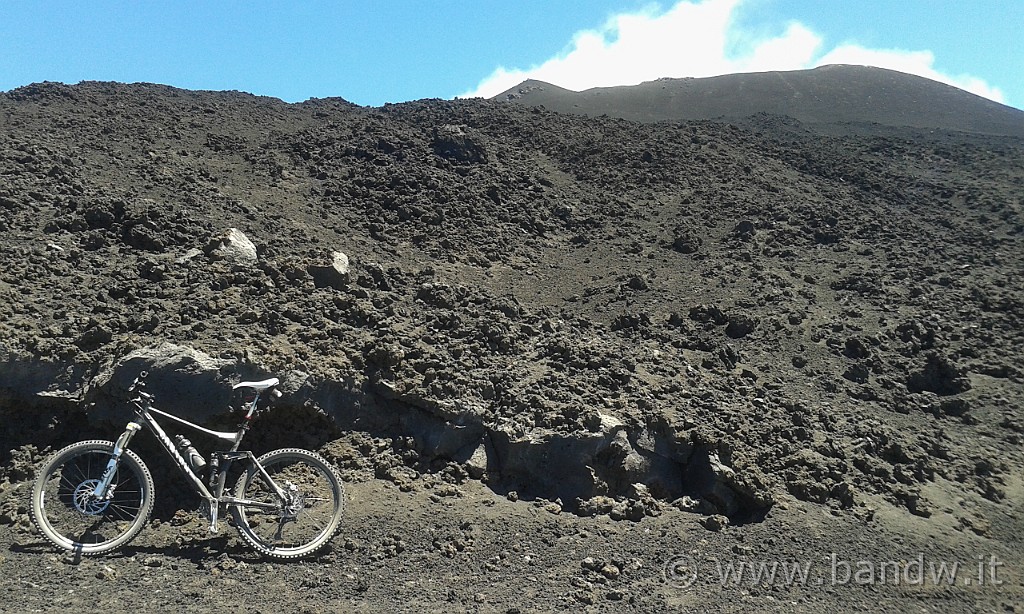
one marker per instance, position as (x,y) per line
(372,52)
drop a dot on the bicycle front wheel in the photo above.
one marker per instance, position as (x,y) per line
(301,522)
(69,515)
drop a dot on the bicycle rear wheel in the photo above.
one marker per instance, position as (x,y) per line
(67,513)
(301,523)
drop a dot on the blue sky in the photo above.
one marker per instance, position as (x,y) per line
(372,52)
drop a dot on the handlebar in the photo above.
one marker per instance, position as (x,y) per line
(139,381)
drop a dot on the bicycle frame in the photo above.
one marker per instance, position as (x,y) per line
(144,411)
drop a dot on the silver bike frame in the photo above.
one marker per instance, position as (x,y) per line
(143,407)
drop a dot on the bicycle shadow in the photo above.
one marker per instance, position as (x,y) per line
(198,551)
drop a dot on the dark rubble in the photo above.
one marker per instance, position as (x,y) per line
(695,319)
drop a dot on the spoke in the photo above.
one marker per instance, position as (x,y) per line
(76,468)
(128,512)
(88,468)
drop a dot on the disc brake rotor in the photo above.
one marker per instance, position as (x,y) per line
(85,500)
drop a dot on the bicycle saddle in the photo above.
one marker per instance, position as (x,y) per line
(261,385)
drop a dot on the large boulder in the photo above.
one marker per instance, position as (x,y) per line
(334,275)
(232,246)
(184,381)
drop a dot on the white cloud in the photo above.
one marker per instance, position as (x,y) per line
(694,39)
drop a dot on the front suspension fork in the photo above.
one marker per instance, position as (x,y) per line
(104,490)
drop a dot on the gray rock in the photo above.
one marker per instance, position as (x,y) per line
(334,275)
(185,381)
(715,522)
(232,246)
(478,458)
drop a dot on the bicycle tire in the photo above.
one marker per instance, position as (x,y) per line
(67,515)
(304,525)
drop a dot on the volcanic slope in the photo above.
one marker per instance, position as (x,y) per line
(618,318)
(847,98)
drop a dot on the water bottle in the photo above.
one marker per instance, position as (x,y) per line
(192,456)
(214,467)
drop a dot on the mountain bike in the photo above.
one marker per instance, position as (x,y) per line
(93,497)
